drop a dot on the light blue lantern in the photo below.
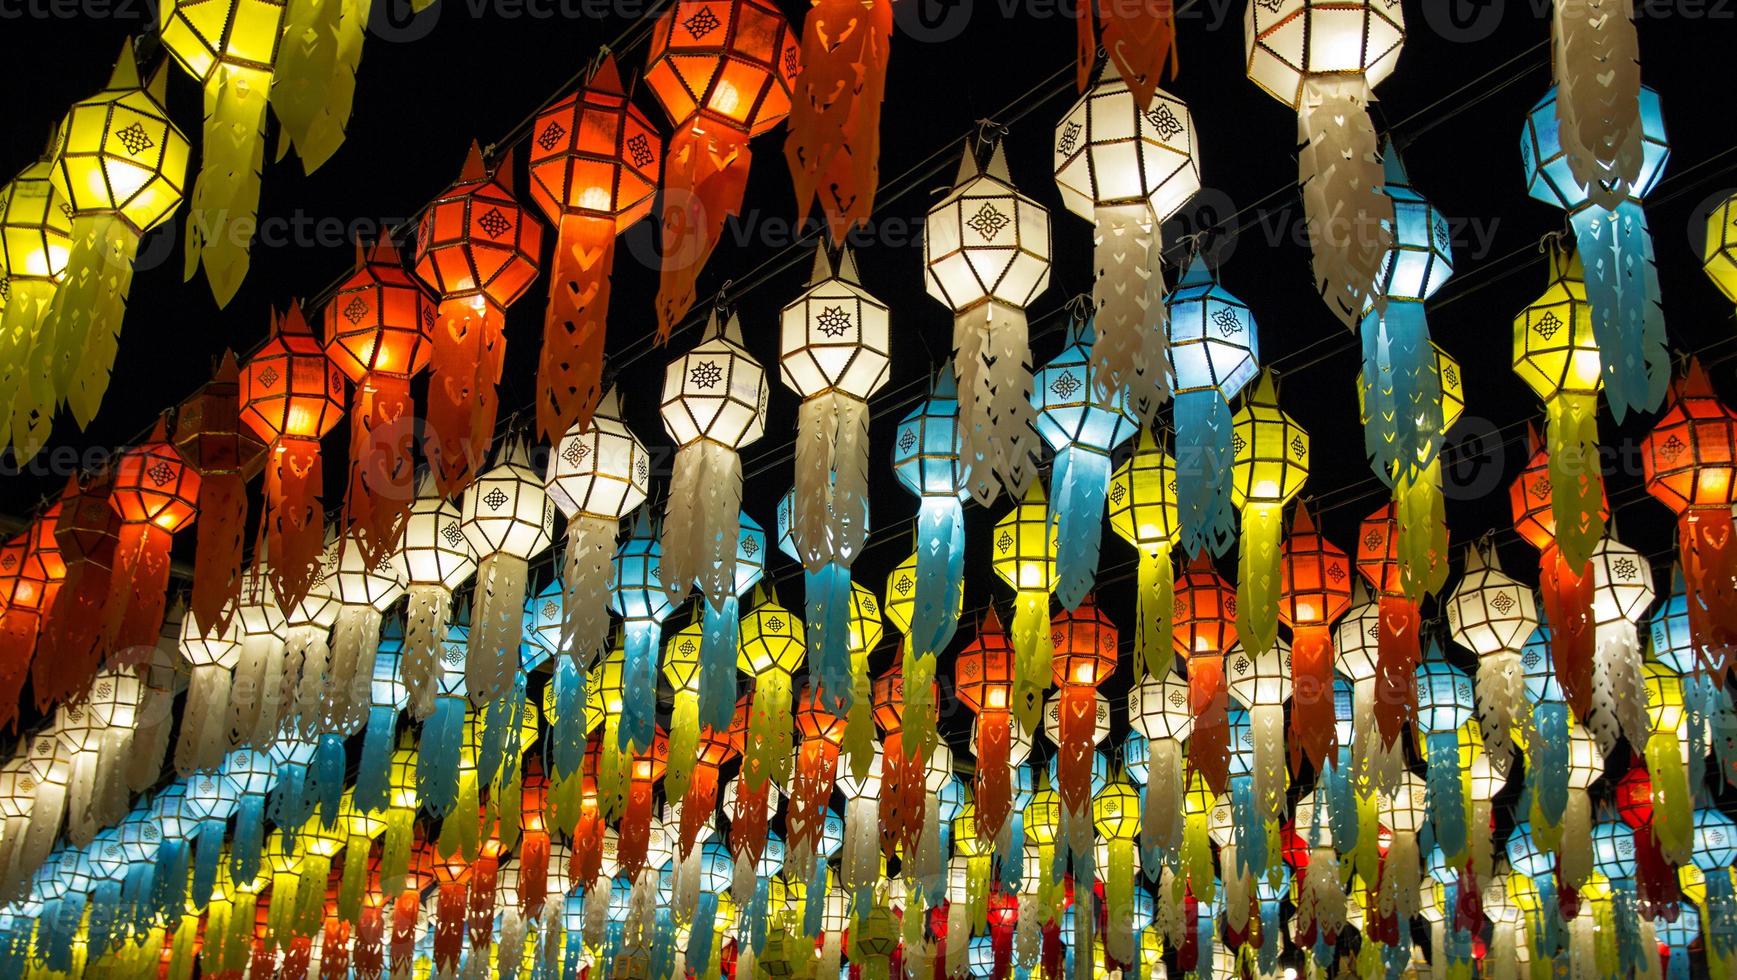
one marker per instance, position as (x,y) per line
(640,600)
(438,750)
(1613,855)
(292,798)
(717,869)
(170,813)
(1136,758)
(1705,697)
(1678,935)
(1340,793)
(211,800)
(1715,854)
(980,956)
(1444,703)
(543,617)
(387,696)
(826,591)
(1248,826)
(63,892)
(1616,250)
(1528,860)
(927,462)
(1214,353)
(831,833)
(1547,776)
(1082,432)
(1270,891)
(252,775)
(109,865)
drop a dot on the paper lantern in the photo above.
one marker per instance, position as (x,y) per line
(507,519)
(1083,431)
(1399,649)
(1204,629)
(1024,557)
(1142,506)
(811,782)
(1085,656)
(87,536)
(1323,58)
(642,603)
(204,716)
(1709,705)
(986,248)
(477,253)
(291,397)
(210,437)
(1214,351)
(771,650)
(1158,709)
(1261,683)
(1404,813)
(1271,463)
(35,241)
(1125,160)
(1314,592)
(31,574)
(434,558)
(1719,255)
(1444,704)
(387,697)
(984,676)
(1622,591)
(1713,856)
(926,458)
(121,168)
(1624,320)
(1668,781)
(1688,459)
(1116,815)
(859,861)
(156,494)
(1492,615)
(714,404)
(364,592)
(1357,645)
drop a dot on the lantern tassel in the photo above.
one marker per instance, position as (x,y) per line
(305,663)
(88,309)
(1209,746)
(638,683)
(833,149)
(424,628)
(993,778)
(492,655)
(225,201)
(1397,657)
(464,368)
(1568,609)
(1313,736)
(372,782)
(203,720)
(1596,56)
(355,647)
(1421,517)
(1079,482)
(1257,601)
(1033,651)
(1350,218)
(437,760)
(1576,474)
(1622,287)
(1500,695)
(18,629)
(315,85)
(138,589)
(1447,806)
(705,174)
(1549,773)
(701,520)
(769,726)
(570,368)
(217,560)
(1160,817)
(1131,352)
(1708,542)
(1203,458)
(828,597)
(381,488)
(992,364)
(940,572)
(1617,677)
(587,578)
(1402,428)
(29,349)
(718,648)
(295,520)
(1673,817)
(1268,724)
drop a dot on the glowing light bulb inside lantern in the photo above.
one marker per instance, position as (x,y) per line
(507,519)
(984,675)
(1271,463)
(771,650)
(35,242)
(1622,591)
(1142,507)
(1025,558)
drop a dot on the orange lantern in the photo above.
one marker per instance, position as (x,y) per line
(1138,37)
(1314,592)
(984,674)
(902,803)
(1690,459)
(379,328)
(156,493)
(1203,628)
(87,534)
(1399,650)
(31,572)
(816,770)
(723,71)
(716,747)
(835,113)
(1567,590)
(646,768)
(210,437)
(291,397)
(478,253)
(595,162)
(1085,656)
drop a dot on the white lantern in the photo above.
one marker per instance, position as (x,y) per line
(1262,684)
(307,648)
(1322,58)
(986,248)
(1622,591)
(1158,709)
(255,693)
(1403,812)
(364,592)
(205,714)
(434,558)
(597,476)
(1127,167)
(714,403)
(508,520)
(833,348)
(1357,648)
(1493,616)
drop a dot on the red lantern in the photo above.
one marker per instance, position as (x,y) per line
(984,672)
(1204,621)
(534,841)
(723,71)
(715,748)
(1084,641)
(1138,37)
(379,332)
(210,437)
(645,769)
(816,770)
(291,397)
(31,572)
(1657,888)
(835,113)
(1567,591)
(1690,459)
(478,252)
(1400,650)
(1314,591)
(595,163)
(902,810)
(155,492)
(749,812)
(87,533)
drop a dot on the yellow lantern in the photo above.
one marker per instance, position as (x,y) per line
(1719,259)
(681,667)
(35,240)
(771,650)
(1142,505)
(1024,557)
(1271,463)
(1116,814)
(1673,822)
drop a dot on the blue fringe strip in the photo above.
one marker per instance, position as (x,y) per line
(1203,458)
(1079,482)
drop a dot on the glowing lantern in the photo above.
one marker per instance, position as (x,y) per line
(209,436)
(597,475)
(927,461)
(1085,648)
(1323,58)
(1158,709)
(1205,628)
(1610,230)
(721,644)
(1125,160)
(860,859)
(35,239)
(1719,256)
(1271,464)
(771,650)
(1622,591)
(1492,615)
(1083,431)
(31,574)
(387,696)
(121,166)
(1116,814)
(1314,592)
(833,149)
(1688,458)
(1572,839)
(156,494)
(1357,645)
(986,248)
(434,558)
(643,604)
(1547,735)
(1399,651)
(291,396)
(1261,683)
(508,520)
(984,674)
(1404,813)
(87,536)
(1669,783)
(714,404)
(1708,704)
(205,716)
(364,592)
(477,253)
(1715,852)
(1214,350)
(812,781)
(1025,558)
(1444,704)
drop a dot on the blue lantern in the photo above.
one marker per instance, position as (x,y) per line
(827,618)
(1444,704)
(1547,774)
(1613,856)
(1248,825)
(442,742)
(642,603)
(252,775)
(1715,854)
(1705,697)
(1678,934)
(1214,352)
(211,800)
(387,696)
(927,461)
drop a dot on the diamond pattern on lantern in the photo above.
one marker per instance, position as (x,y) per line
(1177,700)
(833,321)
(639,149)
(641,469)
(1336,572)
(902,585)
(551,135)
(1451,374)
(1065,385)
(494,223)
(1237,443)
(8,561)
(550,609)
(454,656)
(987,222)
(1548,324)
(575,453)
(1541,489)
(775,623)
(705,374)
(160,472)
(1228,323)
(750,546)
(1240,665)
(1272,5)
(687,648)
(1672,448)
(496,499)
(1624,568)
(1441,234)
(135,139)
(355,309)
(703,22)
(453,535)
(1530,660)
(908,441)
(1070,138)
(269,376)
(1164,122)
(1004,542)
(1503,602)
(1372,540)
(791,64)
(1298,448)
(1117,492)
(1374,631)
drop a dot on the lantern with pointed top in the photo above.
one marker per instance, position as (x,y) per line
(1214,350)
(772,649)
(928,464)
(35,240)
(477,252)
(1204,629)
(1024,557)
(210,437)
(1271,463)
(1260,681)
(984,675)
(508,520)
(364,592)
(434,558)
(642,603)
(156,493)
(1492,615)
(204,716)
(1444,704)
(1158,709)
(1314,593)
(828,594)
(1142,506)
(987,250)
(31,573)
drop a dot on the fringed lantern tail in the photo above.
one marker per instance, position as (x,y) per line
(492,656)
(828,596)
(1421,515)
(355,647)
(1622,289)
(1447,806)
(1079,710)
(992,364)
(138,588)
(464,368)
(295,520)
(1160,817)
(382,484)
(1548,774)
(1576,475)
(816,445)
(1350,219)
(88,309)
(940,571)
(29,347)
(438,758)
(1209,746)
(1154,605)
(1568,609)
(1257,600)
(1397,658)
(1079,485)
(315,83)
(1313,736)
(1268,724)
(718,648)
(1203,458)
(570,367)
(18,630)
(425,628)
(1708,542)
(993,780)
(587,577)
(1597,60)
(701,519)
(1033,651)
(225,202)
(767,755)
(639,682)
(1673,817)
(217,560)
(705,173)
(833,149)
(1402,414)
(204,718)
(1500,694)
(1130,352)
